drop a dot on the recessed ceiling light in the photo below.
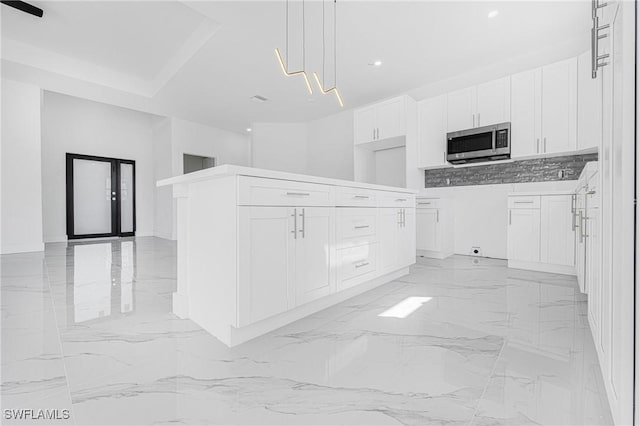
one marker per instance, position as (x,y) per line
(493,14)
(375,63)
(249,129)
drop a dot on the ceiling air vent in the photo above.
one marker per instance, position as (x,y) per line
(259,99)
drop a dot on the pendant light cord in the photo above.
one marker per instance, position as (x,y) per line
(304,56)
(287,35)
(335,55)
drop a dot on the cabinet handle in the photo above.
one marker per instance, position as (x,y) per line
(377,133)
(444,156)
(298,194)
(361,197)
(584,228)
(580,226)
(509,217)
(303,225)
(361,226)
(437,215)
(295,224)
(538,145)
(404,218)
(573,211)
(401,199)
(478,119)
(374,134)
(523,202)
(360,265)
(473,118)
(423,204)
(544,144)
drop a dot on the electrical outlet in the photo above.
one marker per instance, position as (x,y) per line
(476,251)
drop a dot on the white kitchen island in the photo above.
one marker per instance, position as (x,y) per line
(258,249)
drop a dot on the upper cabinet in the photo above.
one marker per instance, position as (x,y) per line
(559,106)
(480,105)
(432,132)
(544,109)
(380,122)
(589,105)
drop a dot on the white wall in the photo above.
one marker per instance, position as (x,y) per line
(391,167)
(21,180)
(280,146)
(163,168)
(330,146)
(74,125)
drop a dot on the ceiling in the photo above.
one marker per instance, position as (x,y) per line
(204,60)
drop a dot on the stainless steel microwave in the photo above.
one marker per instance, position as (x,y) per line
(487,143)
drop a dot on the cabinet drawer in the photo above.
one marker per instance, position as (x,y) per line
(396,199)
(524,202)
(428,203)
(277,192)
(355,264)
(354,197)
(356,226)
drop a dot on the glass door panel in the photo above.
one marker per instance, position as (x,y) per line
(127,197)
(92,197)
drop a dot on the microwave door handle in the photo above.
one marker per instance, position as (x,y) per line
(493,138)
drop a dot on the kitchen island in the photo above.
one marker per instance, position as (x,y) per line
(258,249)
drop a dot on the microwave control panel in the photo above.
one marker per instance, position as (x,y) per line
(502,138)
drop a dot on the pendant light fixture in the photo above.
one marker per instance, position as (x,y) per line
(285,65)
(333,89)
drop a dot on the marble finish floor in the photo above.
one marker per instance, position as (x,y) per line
(88,328)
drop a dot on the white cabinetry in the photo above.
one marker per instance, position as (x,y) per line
(432,132)
(559,104)
(380,121)
(267,262)
(540,235)
(477,106)
(434,233)
(396,236)
(589,128)
(285,259)
(544,109)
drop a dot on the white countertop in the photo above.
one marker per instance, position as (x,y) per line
(521,193)
(231,170)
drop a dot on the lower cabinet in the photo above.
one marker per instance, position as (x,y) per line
(396,238)
(434,230)
(284,259)
(540,233)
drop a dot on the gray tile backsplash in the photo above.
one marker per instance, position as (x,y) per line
(519,171)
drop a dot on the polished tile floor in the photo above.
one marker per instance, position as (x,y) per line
(88,328)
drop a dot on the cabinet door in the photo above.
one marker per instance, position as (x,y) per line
(266,262)
(524,235)
(559,102)
(428,229)
(461,110)
(389,119)
(557,237)
(364,123)
(593,269)
(389,223)
(589,127)
(432,132)
(407,238)
(492,103)
(526,104)
(315,252)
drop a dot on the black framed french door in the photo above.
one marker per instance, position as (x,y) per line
(101,197)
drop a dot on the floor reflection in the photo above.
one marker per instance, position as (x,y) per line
(101,282)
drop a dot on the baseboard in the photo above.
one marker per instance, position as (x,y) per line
(237,336)
(542,267)
(22,248)
(434,254)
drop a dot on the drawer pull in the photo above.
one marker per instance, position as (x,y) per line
(360,265)
(361,226)
(424,204)
(299,194)
(401,199)
(361,197)
(523,202)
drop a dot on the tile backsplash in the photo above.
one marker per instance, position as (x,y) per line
(567,167)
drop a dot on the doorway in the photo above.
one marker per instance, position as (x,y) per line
(101,197)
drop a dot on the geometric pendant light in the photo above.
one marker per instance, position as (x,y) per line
(333,89)
(285,65)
